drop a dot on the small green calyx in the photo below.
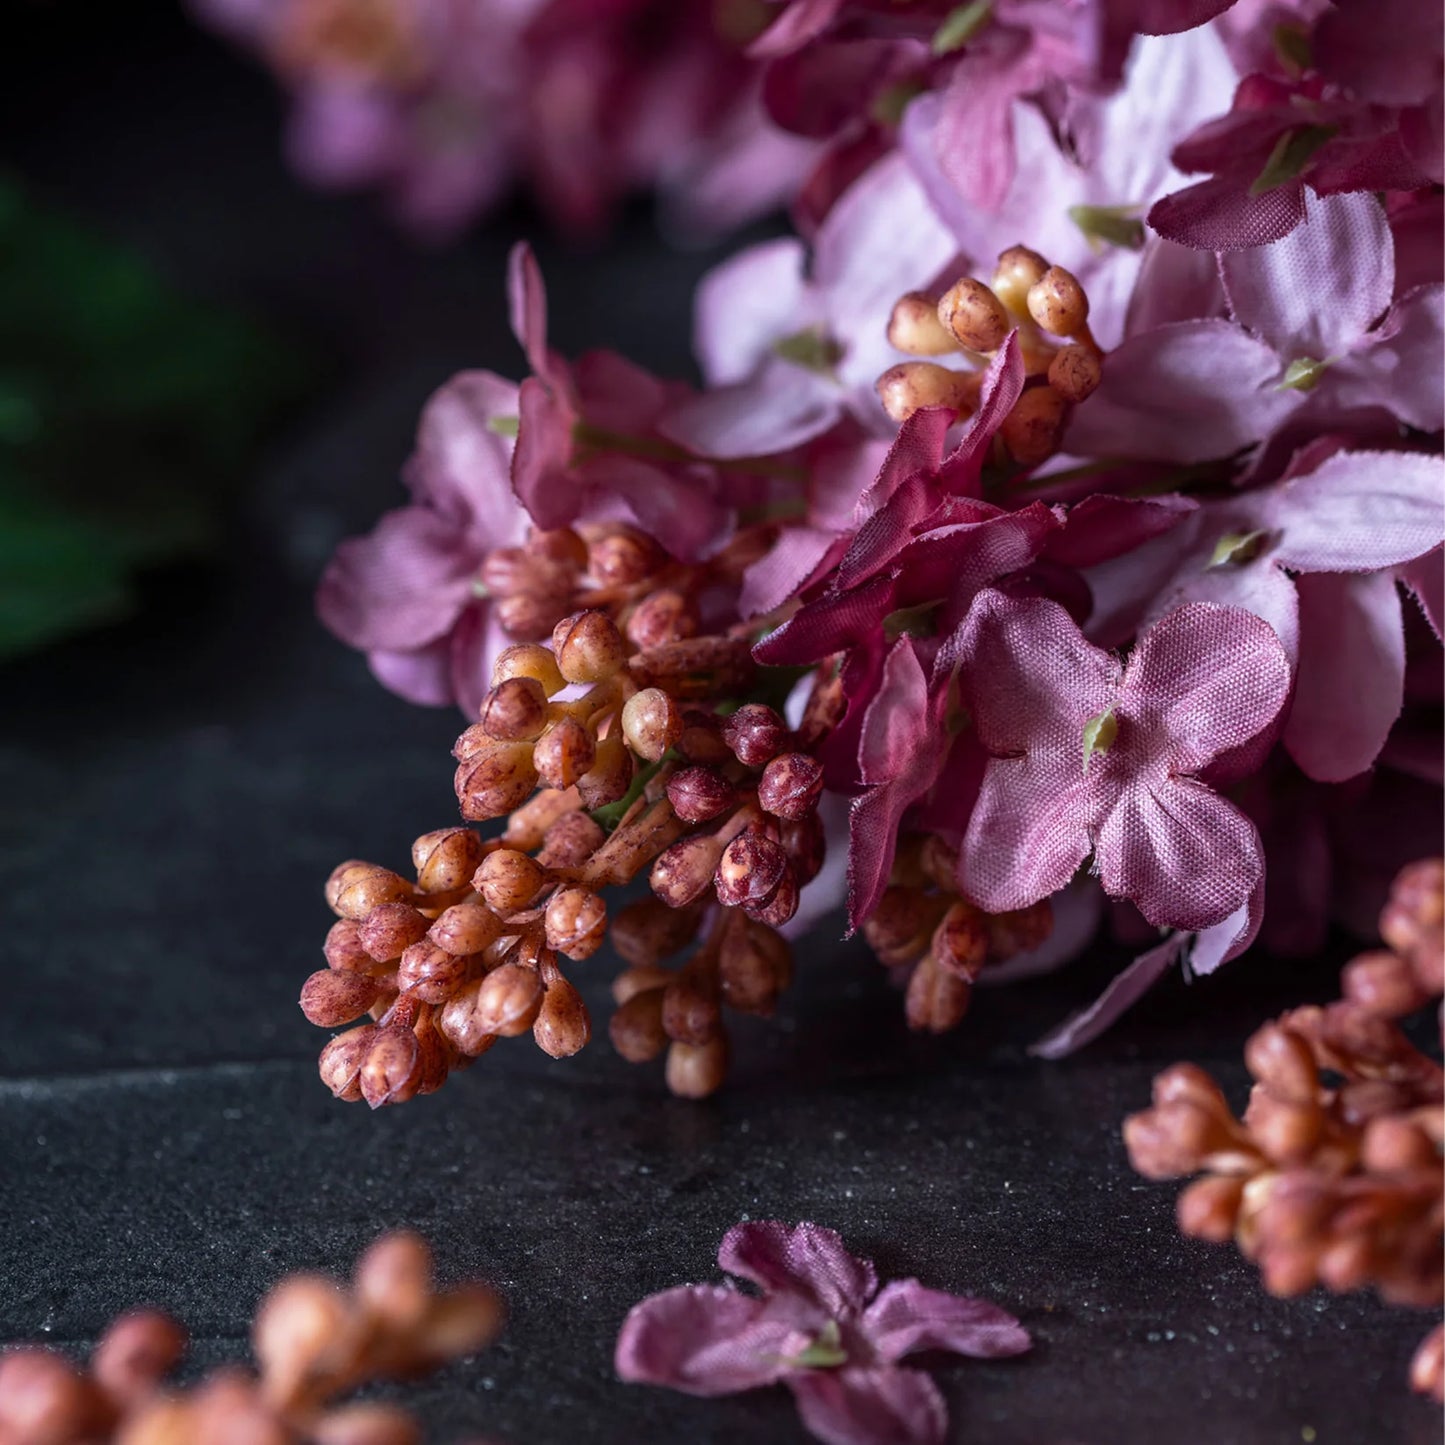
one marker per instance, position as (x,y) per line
(825,1353)
(812,348)
(504,426)
(1099,735)
(910,622)
(1234,549)
(960,26)
(1110,226)
(1290,156)
(890,103)
(1303,374)
(1292,48)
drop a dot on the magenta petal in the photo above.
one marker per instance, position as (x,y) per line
(1002,384)
(702,1339)
(881,1406)
(461,466)
(543,454)
(1220,215)
(833,622)
(1182,855)
(896,724)
(676,508)
(1425,577)
(1117,999)
(907,1316)
(805,1260)
(916,451)
(1351,673)
(401,587)
(527,298)
(1102,527)
(800,22)
(778,408)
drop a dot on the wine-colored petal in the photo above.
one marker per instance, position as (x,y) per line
(896,724)
(1221,215)
(1102,527)
(907,1317)
(884,1405)
(832,623)
(804,1259)
(792,562)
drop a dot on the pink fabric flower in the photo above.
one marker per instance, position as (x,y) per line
(822,1327)
(406,594)
(1090,755)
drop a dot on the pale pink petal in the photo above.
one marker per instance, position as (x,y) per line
(461,465)
(702,1339)
(1315,292)
(543,454)
(881,1406)
(1224,941)
(1259,587)
(745,305)
(1351,673)
(1425,577)
(805,1260)
(340,134)
(1398,366)
(907,1317)
(779,407)
(799,22)
(476,643)
(1183,856)
(423,677)
(1220,215)
(1361,511)
(789,565)
(1184,393)
(1176,283)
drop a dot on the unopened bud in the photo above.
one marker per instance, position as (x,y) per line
(806,844)
(563,548)
(495,784)
(755,733)
(648,930)
(331,998)
(391,1072)
(1209,1207)
(354,889)
(698,794)
(589,647)
(651,723)
(914,327)
(912,385)
(391,928)
(465,928)
(1020,930)
(365,1424)
(749,871)
(633,981)
(936,1000)
(576,922)
(44,1400)
(791,785)
(696,1070)
(509,1000)
(684,871)
(1427,1369)
(528,616)
(1058,303)
(341,1060)
(1282,1060)
(297,1324)
(702,740)
(446,859)
(515,711)
(691,1013)
(781,906)
(135,1354)
(610,775)
(1075,372)
(1031,431)
(508,880)
(622,557)
(528,659)
(393,1279)
(1018,269)
(661,617)
(898,928)
(754,967)
(1392,1145)
(430,973)
(571,841)
(563,1025)
(462,1023)
(343,947)
(636,1027)
(960,942)
(1382,983)
(974,316)
(564,753)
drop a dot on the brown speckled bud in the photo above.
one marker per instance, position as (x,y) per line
(1286,1130)
(331,998)
(636,1027)
(571,841)
(341,1060)
(390,928)
(491,786)
(1075,372)
(651,723)
(914,327)
(1031,431)
(465,928)
(973,315)
(791,785)
(806,844)
(1020,930)
(563,1025)
(754,966)
(633,981)
(529,616)
(589,647)
(563,548)
(622,556)
(648,930)
(529,659)
(780,907)
(508,880)
(564,753)
(576,922)
(701,740)
(1058,303)
(135,1354)
(936,1000)
(698,794)
(297,1324)
(445,859)
(755,733)
(898,928)
(509,1000)
(391,1073)
(960,942)
(691,1011)
(354,889)
(684,871)
(430,973)
(343,947)
(665,616)
(610,775)
(1018,269)
(1392,1145)
(750,870)
(462,1023)
(515,711)
(696,1070)
(1209,1207)
(912,385)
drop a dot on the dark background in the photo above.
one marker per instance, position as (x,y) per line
(174,790)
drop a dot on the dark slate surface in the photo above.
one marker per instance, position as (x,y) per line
(176,789)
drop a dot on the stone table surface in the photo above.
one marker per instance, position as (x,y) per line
(176,789)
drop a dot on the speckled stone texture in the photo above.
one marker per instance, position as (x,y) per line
(176,790)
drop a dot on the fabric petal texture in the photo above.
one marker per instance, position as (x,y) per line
(907,1316)
(805,1260)
(884,1405)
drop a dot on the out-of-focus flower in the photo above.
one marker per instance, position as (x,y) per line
(1088,755)
(822,1327)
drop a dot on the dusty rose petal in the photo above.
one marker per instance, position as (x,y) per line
(461,466)
(745,305)
(1397,366)
(423,677)
(805,1260)
(676,508)
(543,454)
(790,565)
(527,299)
(703,1339)
(1226,940)
(1220,215)
(780,407)
(885,1405)
(908,1316)
(1425,577)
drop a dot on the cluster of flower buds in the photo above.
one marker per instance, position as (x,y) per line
(1320,1182)
(315,1343)
(1048,308)
(934,942)
(611,749)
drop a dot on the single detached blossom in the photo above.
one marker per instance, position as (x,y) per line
(1091,755)
(822,1327)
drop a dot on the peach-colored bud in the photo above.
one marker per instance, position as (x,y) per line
(1190,1082)
(563,1026)
(589,647)
(493,785)
(576,922)
(391,928)
(914,327)
(461,1322)
(1281,1059)
(700,793)
(791,785)
(610,775)
(1382,983)
(936,1000)
(973,315)
(465,928)
(393,1279)
(563,548)
(45,1401)
(564,753)
(622,556)
(431,974)
(341,1060)
(331,998)
(343,947)
(528,659)
(636,1027)
(391,1073)
(528,616)
(960,942)
(136,1353)
(651,723)
(750,869)
(642,979)
(755,733)
(1018,269)
(365,1425)
(508,880)
(661,617)
(303,1320)
(1427,1369)
(354,889)
(1075,372)
(1347,1264)
(1058,303)
(684,871)
(515,710)
(696,1070)
(1392,1145)
(1208,1208)
(509,1000)
(912,385)
(1020,930)
(1031,431)
(463,1024)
